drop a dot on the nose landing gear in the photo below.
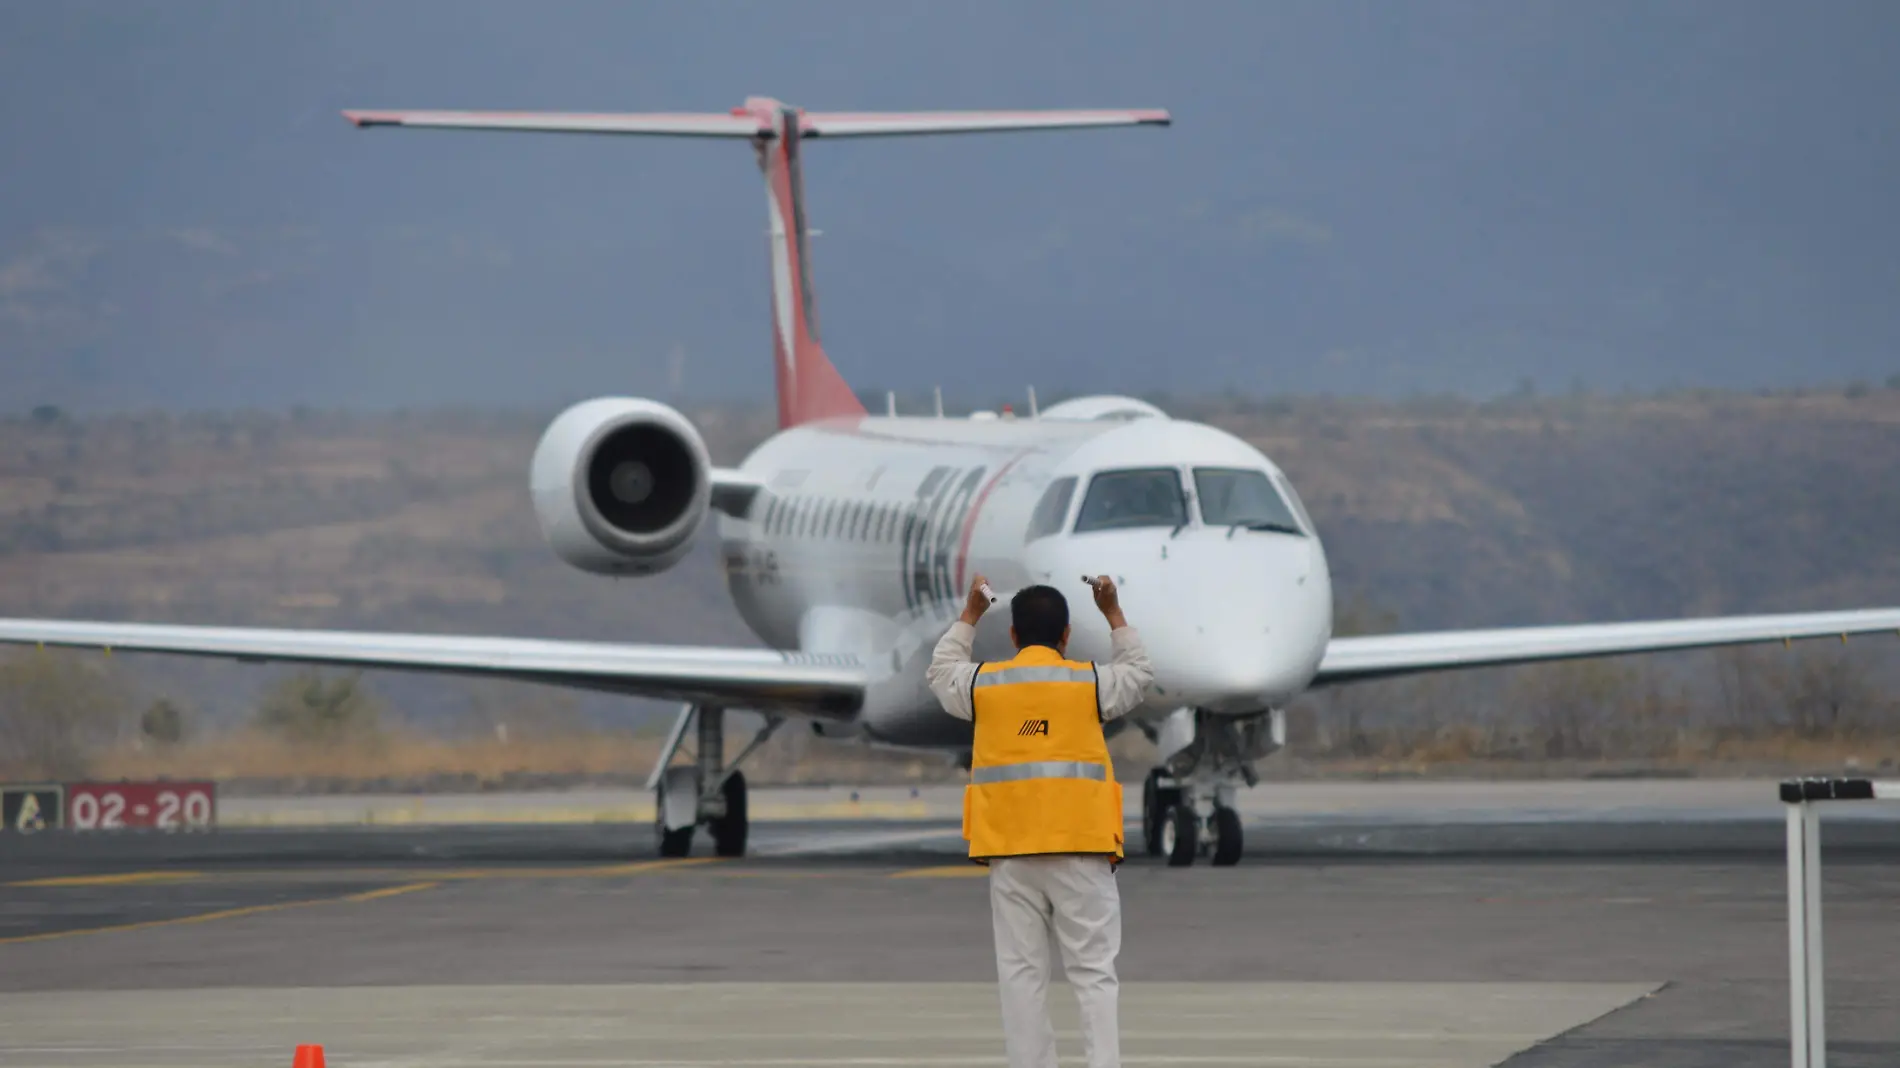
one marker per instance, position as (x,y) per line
(1187,805)
(1180,835)
(1182,823)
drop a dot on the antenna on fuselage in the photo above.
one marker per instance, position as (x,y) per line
(936,392)
(1033,414)
(890,403)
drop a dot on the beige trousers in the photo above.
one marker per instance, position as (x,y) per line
(1075,899)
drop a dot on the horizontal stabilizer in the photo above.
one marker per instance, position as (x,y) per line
(810,388)
(758,122)
(898,123)
(658,124)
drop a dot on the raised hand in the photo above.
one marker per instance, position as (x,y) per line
(978,601)
(1107,600)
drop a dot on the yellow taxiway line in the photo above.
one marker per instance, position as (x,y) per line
(130,878)
(221,914)
(606,871)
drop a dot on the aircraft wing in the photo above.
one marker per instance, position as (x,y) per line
(761,679)
(1385,655)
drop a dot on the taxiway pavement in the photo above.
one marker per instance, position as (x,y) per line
(1625,931)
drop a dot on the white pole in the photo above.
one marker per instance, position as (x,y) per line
(937,393)
(1032,403)
(1797,939)
(1816,971)
(890,403)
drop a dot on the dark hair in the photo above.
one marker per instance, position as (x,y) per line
(1040,614)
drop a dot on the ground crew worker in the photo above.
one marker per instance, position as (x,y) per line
(1043,809)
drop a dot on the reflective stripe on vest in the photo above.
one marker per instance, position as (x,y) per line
(1033,673)
(1039,769)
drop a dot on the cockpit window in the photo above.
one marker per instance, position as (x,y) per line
(1143,497)
(1237,496)
(1051,510)
(1293,498)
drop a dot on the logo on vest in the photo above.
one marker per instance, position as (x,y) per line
(1034,726)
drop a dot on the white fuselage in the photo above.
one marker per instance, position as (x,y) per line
(870,530)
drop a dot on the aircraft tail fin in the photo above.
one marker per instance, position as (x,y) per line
(809,387)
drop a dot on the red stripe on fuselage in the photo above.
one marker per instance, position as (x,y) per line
(976,506)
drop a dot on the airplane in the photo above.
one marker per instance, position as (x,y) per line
(847,539)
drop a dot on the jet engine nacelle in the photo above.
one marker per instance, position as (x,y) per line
(621,485)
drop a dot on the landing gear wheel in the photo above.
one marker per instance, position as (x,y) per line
(675,843)
(729,830)
(1179,833)
(1151,813)
(1226,837)
(676,785)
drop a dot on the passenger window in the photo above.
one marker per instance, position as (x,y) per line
(1140,497)
(1051,510)
(1240,497)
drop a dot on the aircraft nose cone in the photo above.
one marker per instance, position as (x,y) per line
(1232,624)
(1229,658)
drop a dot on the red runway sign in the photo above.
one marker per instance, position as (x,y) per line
(166,806)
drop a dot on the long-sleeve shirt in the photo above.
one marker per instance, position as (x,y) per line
(1119,683)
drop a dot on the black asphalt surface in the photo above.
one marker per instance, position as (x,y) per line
(1698,904)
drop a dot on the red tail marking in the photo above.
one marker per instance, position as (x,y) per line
(809,387)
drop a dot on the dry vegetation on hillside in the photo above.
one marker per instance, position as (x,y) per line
(1436,513)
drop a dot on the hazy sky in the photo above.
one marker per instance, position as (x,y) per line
(1356,197)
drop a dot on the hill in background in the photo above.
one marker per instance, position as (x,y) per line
(1437,513)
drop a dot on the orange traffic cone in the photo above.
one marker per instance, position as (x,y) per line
(308,1057)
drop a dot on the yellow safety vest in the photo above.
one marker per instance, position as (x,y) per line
(1040,777)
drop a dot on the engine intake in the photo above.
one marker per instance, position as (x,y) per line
(621,485)
(641,478)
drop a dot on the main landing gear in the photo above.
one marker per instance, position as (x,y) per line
(1187,804)
(706,792)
